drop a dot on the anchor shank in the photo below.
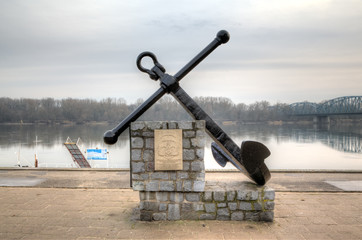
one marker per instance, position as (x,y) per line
(260,174)
(214,131)
(111,136)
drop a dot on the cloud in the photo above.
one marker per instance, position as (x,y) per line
(47,46)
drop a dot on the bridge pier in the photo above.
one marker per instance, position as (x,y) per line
(322,121)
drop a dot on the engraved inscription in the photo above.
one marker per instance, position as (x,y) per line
(168,149)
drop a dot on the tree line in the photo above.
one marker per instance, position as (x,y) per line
(49,110)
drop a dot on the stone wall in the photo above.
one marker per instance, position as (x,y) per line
(144,176)
(176,195)
(249,202)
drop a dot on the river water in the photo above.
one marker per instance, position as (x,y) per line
(292,146)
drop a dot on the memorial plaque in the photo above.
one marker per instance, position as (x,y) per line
(168,149)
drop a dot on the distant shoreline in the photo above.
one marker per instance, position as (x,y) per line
(334,121)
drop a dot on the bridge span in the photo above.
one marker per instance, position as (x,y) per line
(348,105)
(337,106)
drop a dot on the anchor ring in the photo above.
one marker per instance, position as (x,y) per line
(152,74)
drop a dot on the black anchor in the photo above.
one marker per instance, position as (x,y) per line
(249,158)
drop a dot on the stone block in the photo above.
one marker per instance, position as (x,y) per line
(136,155)
(149,206)
(200,134)
(159,176)
(222,214)
(210,207)
(252,216)
(247,195)
(176,197)
(136,142)
(187,186)
(138,185)
(186,143)
(150,166)
(230,196)
(178,186)
(269,193)
(257,206)
(149,143)
(198,142)
(189,134)
(200,124)
(267,216)
(154,125)
(150,134)
(138,167)
(186,207)
(198,206)
(219,196)
(172,125)
(269,205)
(167,186)
(147,196)
(237,216)
(221,205)
(245,206)
(189,215)
(152,185)
(207,197)
(137,126)
(173,212)
(172,175)
(162,196)
(199,186)
(188,154)
(192,197)
(200,153)
(182,175)
(197,166)
(140,176)
(162,207)
(232,206)
(207,216)
(185,125)
(146,215)
(148,155)
(186,166)
(198,176)
(159,216)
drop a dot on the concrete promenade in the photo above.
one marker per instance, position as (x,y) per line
(39,204)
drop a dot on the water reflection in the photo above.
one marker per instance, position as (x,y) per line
(17,143)
(51,136)
(341,138)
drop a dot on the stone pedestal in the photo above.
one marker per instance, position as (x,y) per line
(183,194)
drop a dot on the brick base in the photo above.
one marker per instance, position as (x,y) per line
(244,202)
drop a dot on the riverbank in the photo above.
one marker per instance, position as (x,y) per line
(281,181)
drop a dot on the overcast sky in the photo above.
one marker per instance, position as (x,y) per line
(279,51)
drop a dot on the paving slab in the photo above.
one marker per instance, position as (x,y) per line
(98,204)
(61,213)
